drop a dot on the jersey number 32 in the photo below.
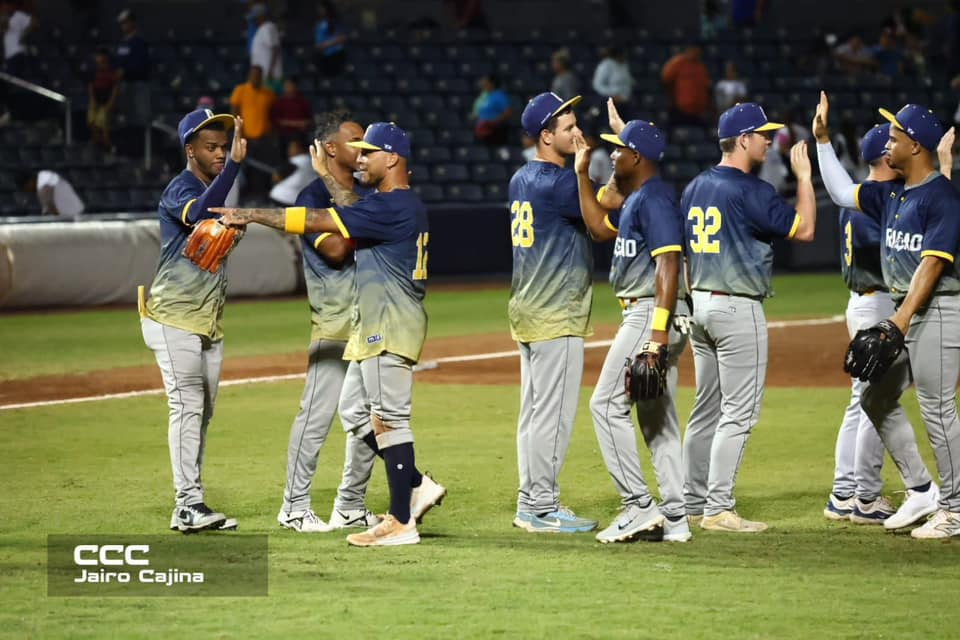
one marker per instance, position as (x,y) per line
(705,226)
(521,225)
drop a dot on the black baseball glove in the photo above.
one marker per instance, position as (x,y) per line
(646,374)
(873,350)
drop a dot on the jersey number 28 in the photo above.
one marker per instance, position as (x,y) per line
(521,227)
(705,226)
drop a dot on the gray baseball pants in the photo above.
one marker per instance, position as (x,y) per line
(190,364)
(729,339)
(550,375)
(933,344)
(613,424)
(326,372)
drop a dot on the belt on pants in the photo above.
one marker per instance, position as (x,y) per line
(626,303)
(870,291)
(736,295)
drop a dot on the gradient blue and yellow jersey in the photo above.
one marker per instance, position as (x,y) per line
(918,221)
(648,224)
(182,294)
(860,252)
(331,289)
(392,233)
(732,218)
(551,293)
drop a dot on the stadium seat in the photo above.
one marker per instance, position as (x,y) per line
(432,155)
(429,192)
(464,193)
(450,173)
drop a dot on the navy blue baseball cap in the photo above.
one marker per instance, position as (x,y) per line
(919,123)
(874,143)
(745,117)
(385,136)
(541,108)
(196,120)
(643,137)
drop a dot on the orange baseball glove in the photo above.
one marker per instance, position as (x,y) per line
(209,244)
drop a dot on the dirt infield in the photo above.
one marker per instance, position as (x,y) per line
(801,356)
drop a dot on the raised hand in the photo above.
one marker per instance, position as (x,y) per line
(581,161)
(820,127)
(238,150)
(318,159)
(800,161)
(945,152)
(613,117)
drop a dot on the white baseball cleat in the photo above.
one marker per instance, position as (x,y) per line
(676,529)
(631,521)
(917,505)
(197,517)
(731,521)
(305,521)
(943,524)
(351,518)
(230,524)
(423,498)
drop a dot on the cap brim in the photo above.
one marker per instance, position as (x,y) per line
(770,126)
(612,138)
(572,102)
(360,144)
(225,118)
(891,117)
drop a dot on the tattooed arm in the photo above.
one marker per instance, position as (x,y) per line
(314,220)
(341,195)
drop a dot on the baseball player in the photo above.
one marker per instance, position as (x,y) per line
(181,320)
(731,219)
(390,323)
(329,271)
(859,450)
(549,310)
(645,275)
(920,234)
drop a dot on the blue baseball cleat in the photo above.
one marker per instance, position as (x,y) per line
(563,520)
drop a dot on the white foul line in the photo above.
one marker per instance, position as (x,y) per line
(423,366)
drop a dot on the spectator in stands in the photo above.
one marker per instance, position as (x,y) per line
(206,102)
(785,137)
(102,92)
(747,13)
(688,87)
(888,55)
(265,51)
(565,83)
(491,111)
(17,23)
(253,102)
(731,89)
(853,57)
(55,194)
(611,78)
(712,19)
(467,14)
(286,190)
(329,40)
(291,113)
(133,72)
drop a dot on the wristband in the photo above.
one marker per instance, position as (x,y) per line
(295,220)
(660,318)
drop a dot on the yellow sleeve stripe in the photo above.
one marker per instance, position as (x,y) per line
(856,196)
(321,238)
(606,221)
(186,210)
(796,225)
(939,254)
(601,192)
(670,248)
(336,218)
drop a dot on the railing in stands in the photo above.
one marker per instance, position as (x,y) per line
(49,95)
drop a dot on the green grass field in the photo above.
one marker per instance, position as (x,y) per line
(102,468)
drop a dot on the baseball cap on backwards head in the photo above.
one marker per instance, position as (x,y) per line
(919,123)
(872,147)
(745,117)
(196,120)
(541,108)
(643,137)
(385,136)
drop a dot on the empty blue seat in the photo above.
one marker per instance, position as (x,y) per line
(452,172)
(464,193)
